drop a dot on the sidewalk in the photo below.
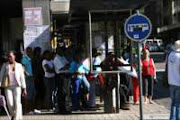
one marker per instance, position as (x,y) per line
(151,112)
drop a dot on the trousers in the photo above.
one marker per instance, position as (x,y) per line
(175,102)
(13,97)
(135,83)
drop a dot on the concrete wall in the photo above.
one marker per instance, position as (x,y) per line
(11,32)
(5,32)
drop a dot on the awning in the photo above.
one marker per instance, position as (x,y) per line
(79,8)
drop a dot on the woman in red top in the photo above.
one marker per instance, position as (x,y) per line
(148,73)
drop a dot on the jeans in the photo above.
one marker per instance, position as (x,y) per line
(50,92)
(76,90)
(31,92)
(175,105)
(92,97)
(85,81)
(13,97)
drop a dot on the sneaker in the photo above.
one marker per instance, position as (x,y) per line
(31,113)
(37,111)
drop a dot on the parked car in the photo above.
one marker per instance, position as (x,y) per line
(154,45)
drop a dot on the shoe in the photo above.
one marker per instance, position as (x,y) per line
(136,103)
(145,102)
(37,111)
(31,113)
(151,102)
(64,112)
(124,107)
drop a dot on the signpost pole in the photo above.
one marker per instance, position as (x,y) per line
(141,107)
(138,28)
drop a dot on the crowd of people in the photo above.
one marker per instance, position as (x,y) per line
(62,82)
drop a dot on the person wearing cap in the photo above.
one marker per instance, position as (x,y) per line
(173,64)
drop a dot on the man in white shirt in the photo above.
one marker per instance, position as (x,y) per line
(60,64)
(174,81)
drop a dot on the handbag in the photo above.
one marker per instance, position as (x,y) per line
(5,80)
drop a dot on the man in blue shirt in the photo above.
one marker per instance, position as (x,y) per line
(27,63)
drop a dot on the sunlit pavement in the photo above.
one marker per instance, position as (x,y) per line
(151,111)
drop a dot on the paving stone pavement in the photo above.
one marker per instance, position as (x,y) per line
(151,112)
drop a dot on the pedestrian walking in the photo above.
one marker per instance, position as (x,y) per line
(148,74)
(12,79)
(173,63)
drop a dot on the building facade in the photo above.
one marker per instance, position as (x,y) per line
(169,30)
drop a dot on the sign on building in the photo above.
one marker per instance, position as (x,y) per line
(33,16)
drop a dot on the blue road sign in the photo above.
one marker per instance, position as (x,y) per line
(138,27)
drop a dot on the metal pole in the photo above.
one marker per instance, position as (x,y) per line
(106,36)
(117,93)
(141,107)
(90,40)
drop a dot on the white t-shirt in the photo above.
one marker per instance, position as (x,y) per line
(12,77)
(174,68)
(51,65)
(59,62)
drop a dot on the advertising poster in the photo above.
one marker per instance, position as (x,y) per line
(33,16)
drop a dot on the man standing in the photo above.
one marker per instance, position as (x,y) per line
(38,77)
(60,64)
(174,81)
(27,63)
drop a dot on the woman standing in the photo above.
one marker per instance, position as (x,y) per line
(49,80)
(15,74)
(149,74)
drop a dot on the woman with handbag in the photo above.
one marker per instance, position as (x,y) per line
(13,81)
(148,74)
